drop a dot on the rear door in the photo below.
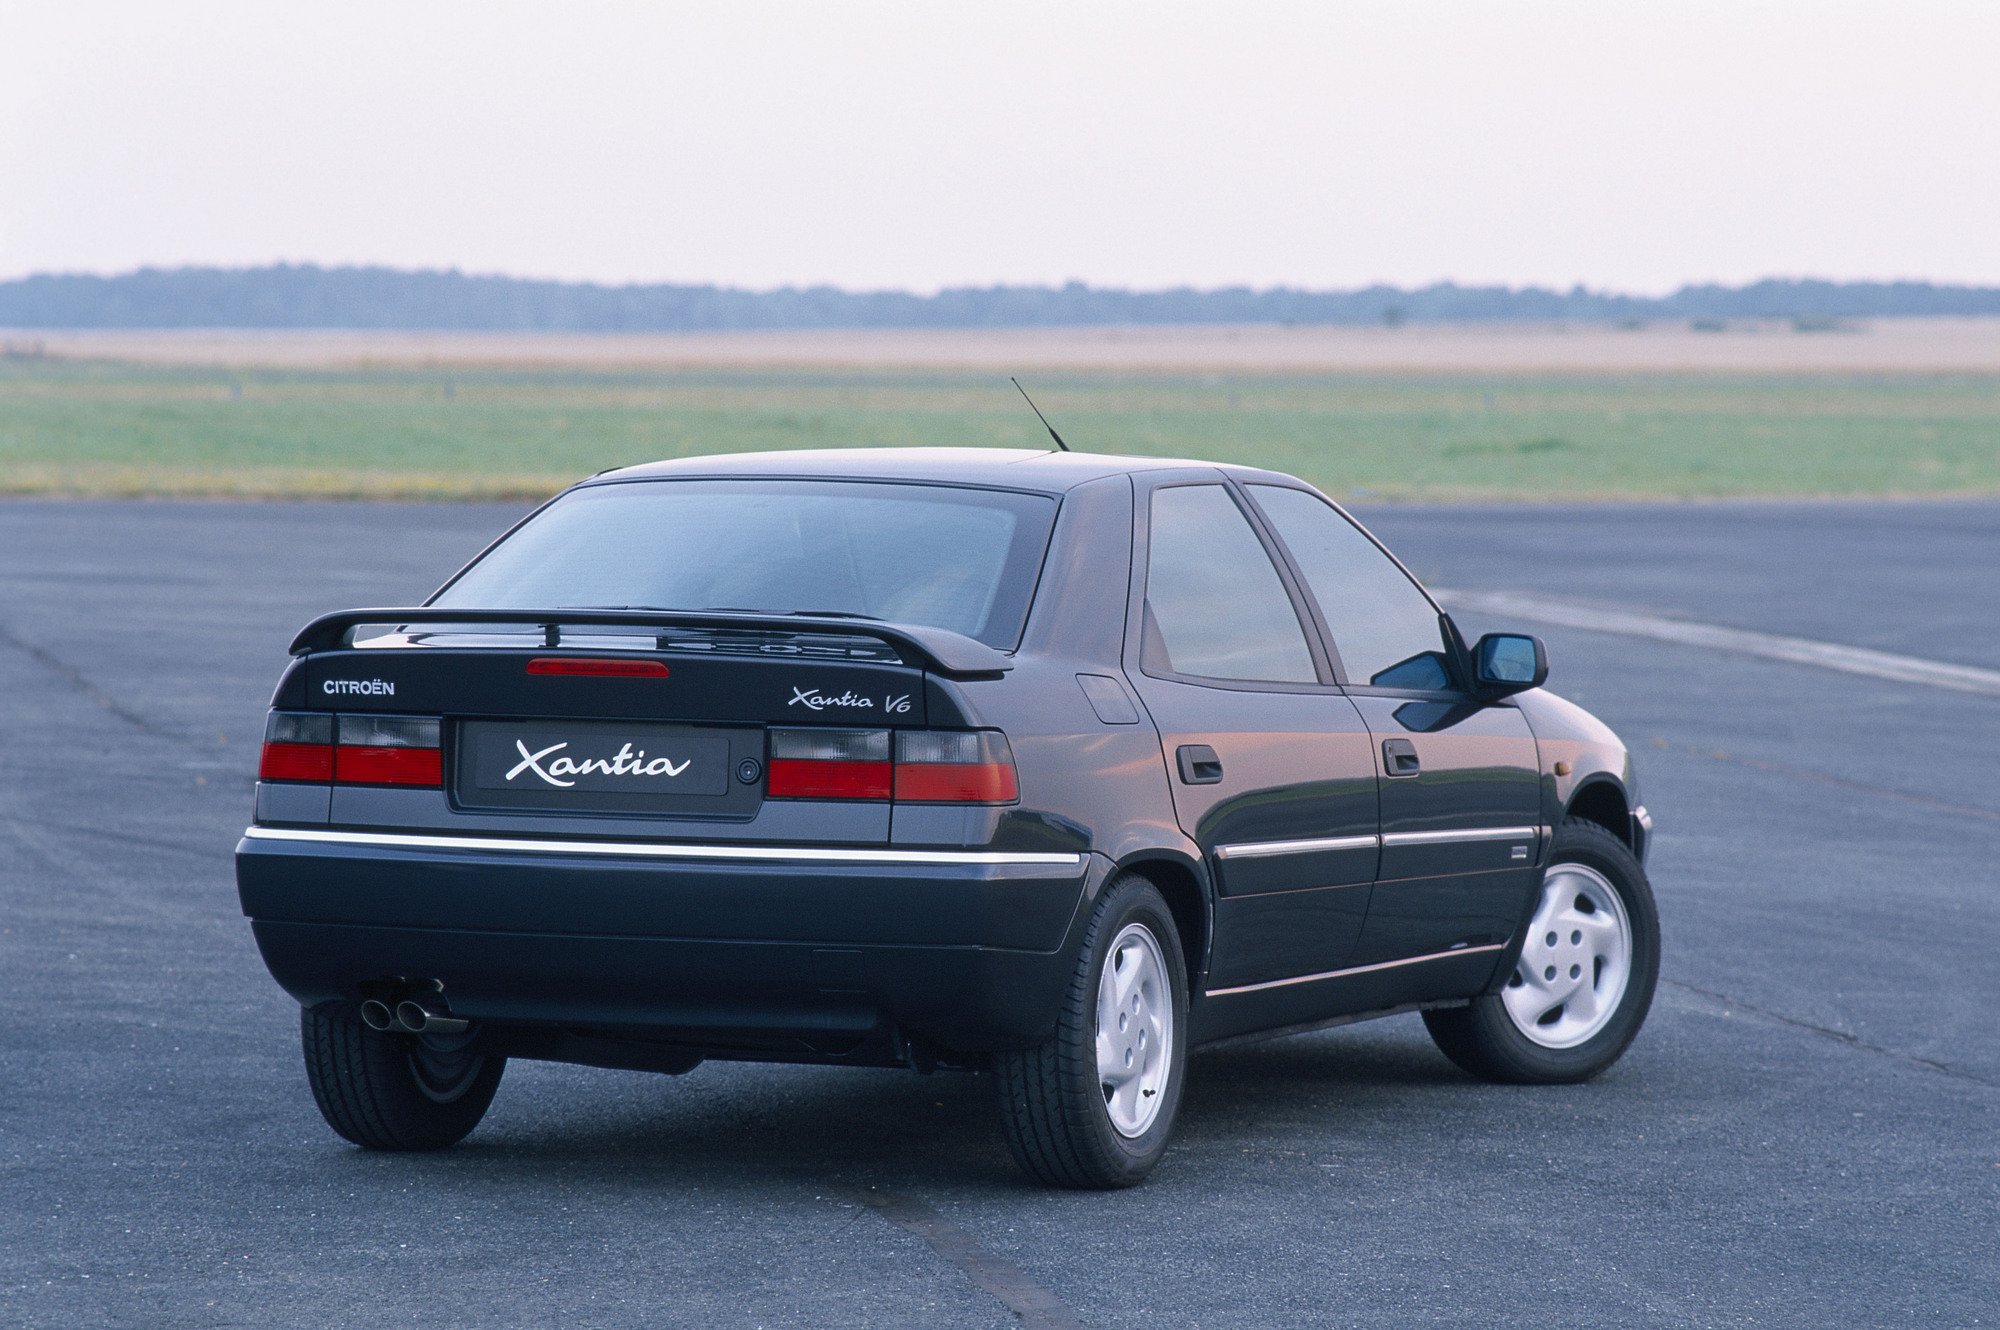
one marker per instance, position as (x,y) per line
(1460,778)
(1269,763)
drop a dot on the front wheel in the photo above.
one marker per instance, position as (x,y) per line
(386,1091)
(1093,1106)
(1584,981)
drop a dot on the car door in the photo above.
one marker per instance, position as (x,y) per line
(1460,777)
(1269,762)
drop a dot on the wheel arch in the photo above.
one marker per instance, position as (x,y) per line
(1183,882)
(1604,801)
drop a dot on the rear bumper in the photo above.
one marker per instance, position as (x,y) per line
(764,951)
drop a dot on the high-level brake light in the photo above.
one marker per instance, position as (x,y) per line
(607,667)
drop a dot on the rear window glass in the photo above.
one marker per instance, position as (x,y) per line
(945,557)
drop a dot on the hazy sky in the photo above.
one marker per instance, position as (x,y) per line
(1635,146)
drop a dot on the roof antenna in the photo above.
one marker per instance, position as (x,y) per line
(1038,413)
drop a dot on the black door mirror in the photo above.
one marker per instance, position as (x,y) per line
(1506,663)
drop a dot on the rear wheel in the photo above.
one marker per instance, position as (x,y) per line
(1584,981)
(1093,1107)
(386,1091)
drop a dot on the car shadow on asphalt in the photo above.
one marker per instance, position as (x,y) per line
(728,1126)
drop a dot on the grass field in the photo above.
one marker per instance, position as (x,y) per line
(119,428)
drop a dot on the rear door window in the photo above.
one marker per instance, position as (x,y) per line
(1384,627)
(1215,607)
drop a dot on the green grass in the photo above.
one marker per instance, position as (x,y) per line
(101,428)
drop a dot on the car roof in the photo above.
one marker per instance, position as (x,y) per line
(1011,468)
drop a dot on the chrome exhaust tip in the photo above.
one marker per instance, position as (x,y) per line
(417,1020)
(376,1016)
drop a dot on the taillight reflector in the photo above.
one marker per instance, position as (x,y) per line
(793,779)
(956,783)
(313,762)
(362,764)
(599,668)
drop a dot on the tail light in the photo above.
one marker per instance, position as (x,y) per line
(351,750)
(297,746)
(911,766)
(388,750)
(830,764)
(955,767)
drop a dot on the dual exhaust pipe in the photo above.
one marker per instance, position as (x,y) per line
(408,1017)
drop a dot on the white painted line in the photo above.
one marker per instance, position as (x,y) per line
(1793,650)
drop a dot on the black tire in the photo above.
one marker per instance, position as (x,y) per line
(1485,1040)
(386,1091)
(1053,1104)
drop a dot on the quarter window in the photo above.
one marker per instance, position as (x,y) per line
(1215,606)
(1386,629)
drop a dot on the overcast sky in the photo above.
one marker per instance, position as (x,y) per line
(1623,145)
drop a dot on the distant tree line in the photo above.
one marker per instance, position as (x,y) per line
(307,296)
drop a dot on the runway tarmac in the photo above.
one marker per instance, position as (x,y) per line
(1805,1134)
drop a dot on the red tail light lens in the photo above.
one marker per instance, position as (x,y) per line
(830,764)
(388,750)
(594,668)
(913,766)
(955,767)
(351,750)
(297,746)
(359,765)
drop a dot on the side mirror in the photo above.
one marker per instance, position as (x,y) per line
(1505,663)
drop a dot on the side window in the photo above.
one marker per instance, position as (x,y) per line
(1385,628)
(1214,604)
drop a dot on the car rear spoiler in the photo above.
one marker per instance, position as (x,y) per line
(937,649)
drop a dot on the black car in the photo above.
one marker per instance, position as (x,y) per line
(1049,765)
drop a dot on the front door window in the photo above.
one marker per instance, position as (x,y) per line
(1386,630)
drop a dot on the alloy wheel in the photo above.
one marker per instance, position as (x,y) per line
(1135,1030)
(1576,961)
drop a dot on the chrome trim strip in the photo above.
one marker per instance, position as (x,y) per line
(1266,848)
(656,850)
(1466,837)
(1358,969)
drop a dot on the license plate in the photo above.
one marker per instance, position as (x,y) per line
(586,764)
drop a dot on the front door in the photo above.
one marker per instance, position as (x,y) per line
(1271,766)
(1461,841)
(1460,778)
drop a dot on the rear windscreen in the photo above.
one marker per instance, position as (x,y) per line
(962,559)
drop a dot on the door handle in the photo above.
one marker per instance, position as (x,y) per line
(1399,758)
(1199,765)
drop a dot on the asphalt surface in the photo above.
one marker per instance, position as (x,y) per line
(1804,1135)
